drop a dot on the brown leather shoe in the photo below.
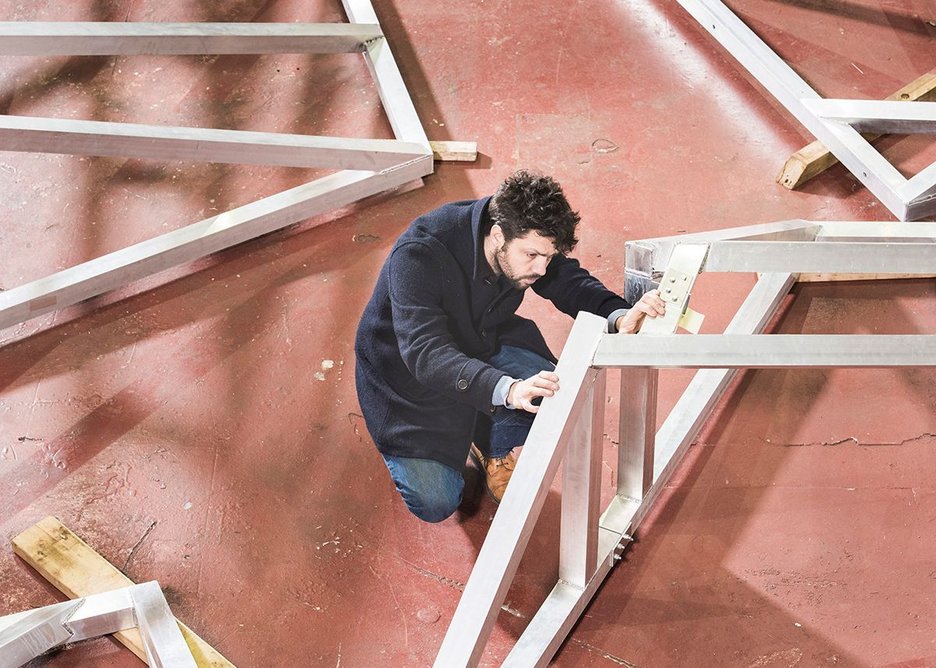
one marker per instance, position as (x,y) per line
(497,471)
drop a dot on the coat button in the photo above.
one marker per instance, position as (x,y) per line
(462,384)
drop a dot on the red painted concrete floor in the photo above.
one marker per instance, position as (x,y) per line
(201,428)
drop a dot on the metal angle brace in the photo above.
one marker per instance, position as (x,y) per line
(27,635)
(907,199)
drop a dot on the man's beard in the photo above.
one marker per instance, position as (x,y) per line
(505,270)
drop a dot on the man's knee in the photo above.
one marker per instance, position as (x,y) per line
(433,508)
(431,490)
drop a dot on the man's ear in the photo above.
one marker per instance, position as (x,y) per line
(497,234)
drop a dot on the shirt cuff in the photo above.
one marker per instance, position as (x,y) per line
(613,319)
(501,390)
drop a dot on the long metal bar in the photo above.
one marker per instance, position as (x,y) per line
(581,490)
(153,142)
(199,239)
(165,646)
(34,633)
(881,232)
(845,142)
(648,256)
(393,94)
(881,116)
(905,257)
(767,351)
(516,517)
(121,38)
(637,430)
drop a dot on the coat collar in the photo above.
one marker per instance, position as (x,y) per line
(480,221)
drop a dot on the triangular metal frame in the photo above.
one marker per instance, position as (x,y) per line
(835,123)
(368,166)
(569,425)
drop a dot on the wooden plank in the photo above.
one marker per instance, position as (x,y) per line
(121,38)
(163,142)
(816,158)
(454,151)
(77,570)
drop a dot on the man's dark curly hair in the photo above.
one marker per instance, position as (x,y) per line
(528,201)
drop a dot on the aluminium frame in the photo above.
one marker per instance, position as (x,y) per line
(569,425)
(29,634)
(836,123)
(367,166)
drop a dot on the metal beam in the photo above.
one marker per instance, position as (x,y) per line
(881,116)
(767,351)
(162,638)
(393,94)
(581,491)
(154,142)
(121,38)
(199,239)
(908,257)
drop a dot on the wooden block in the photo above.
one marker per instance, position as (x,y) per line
(454,151)
(77,570)
(816,158)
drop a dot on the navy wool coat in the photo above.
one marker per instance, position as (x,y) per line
(437,312)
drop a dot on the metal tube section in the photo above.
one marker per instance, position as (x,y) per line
(119,38)
(34,633)
(880,116)
(581,488)
(637,430)
(653,255)
(516,517)
(762,351)
(157,142)
(102,614)
(199,239)
(881,232)
(906,257)
(165,646)
(390,86)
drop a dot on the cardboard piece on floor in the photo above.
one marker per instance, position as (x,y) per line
(62,558)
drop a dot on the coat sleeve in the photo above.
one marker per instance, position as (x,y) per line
(417,280)
(572,289)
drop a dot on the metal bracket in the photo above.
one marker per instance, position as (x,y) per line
(684,266)
(26,635)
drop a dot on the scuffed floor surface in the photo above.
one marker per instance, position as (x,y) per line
(201,428)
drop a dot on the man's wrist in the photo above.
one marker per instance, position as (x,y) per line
(502,392)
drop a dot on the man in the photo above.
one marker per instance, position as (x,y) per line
(443,361)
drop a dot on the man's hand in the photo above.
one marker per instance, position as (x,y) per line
(649,305)
(523,392)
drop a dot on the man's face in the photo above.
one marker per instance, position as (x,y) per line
(524,259)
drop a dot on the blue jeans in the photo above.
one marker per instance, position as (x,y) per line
(432,491)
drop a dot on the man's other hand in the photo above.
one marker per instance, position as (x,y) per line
(649,305)
(523,393)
